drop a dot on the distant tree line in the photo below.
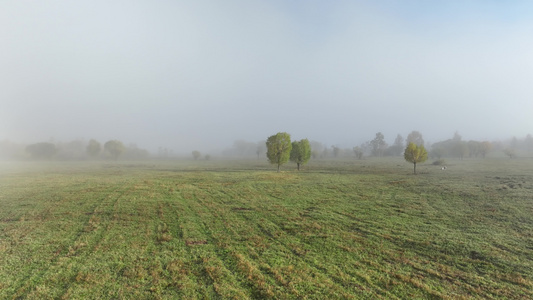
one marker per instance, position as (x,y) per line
(73,150)
(413,148)
(243,149)
(455,147)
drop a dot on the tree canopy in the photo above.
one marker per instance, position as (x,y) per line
(415,154)
(196,154)
(398,146)
(93,148)
(300,152)
(358,151)
(378,144)
(115,148)
(415,137)
(279,148)
(41,150)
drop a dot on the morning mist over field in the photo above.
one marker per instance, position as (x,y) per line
(259,149)
(188,75)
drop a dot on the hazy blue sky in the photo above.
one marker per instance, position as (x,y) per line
(195,74)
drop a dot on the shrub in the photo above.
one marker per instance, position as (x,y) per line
(439,162)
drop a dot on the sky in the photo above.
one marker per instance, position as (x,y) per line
(188,75)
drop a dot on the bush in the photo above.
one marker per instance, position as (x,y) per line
(439,162)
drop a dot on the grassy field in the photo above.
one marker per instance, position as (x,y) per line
(237,229)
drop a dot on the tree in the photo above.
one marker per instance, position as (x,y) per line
(437,152)
(300,152)
(459,147)
(316,149)
(325,153)
(279,148)
(196,154)
(41,150)
(132,152)
(244,148)
(485,148)
(115,148)
(74,149)
(457,137)
(378,144)
(473,148)
(415,137)
(366,148)
(415,154)
(509,152)
(398,146)
(93,148)
(358,152)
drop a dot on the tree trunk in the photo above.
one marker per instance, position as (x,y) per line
(414,167)
(278,167)
(298,164)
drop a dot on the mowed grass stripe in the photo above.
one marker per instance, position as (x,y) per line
(181,229)
(49,281)
(311,224)
(242,232)
(219,258)
(36,221)
(248,209)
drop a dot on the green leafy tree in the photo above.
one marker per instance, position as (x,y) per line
(115,148)
(93,148)
(279,148)
(196,154)
(300,152)
(415,154)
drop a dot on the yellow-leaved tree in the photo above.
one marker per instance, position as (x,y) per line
(415,154)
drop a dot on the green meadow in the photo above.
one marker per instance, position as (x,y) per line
(338,229)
